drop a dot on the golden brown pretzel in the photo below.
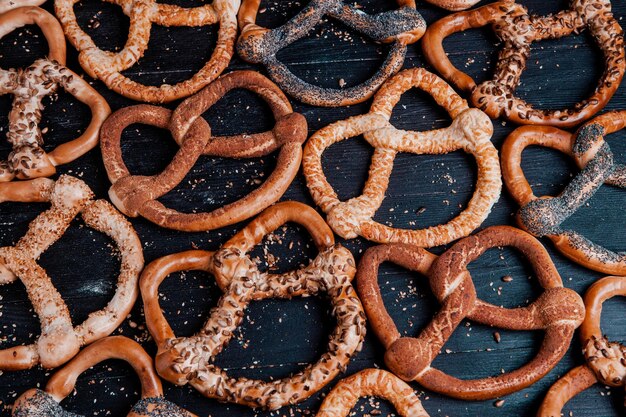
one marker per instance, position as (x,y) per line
(191,359)
(453,5)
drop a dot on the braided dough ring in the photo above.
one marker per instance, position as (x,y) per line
(470,131)
(190,359)
(108,66)
(45,403)
(60,341)
(518,30)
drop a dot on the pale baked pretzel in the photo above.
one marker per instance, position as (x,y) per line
(108,66)
(60,340)
(558,312)
(544,216)
(260,45)
(469,131)
(518,30)
(191,359)
(29,86)
(6,5)
(46,403)
(453,5)
(137,195)
(606,361)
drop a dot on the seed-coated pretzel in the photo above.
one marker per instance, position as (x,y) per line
(543,216)
(606,361)
(518,30)
(469,131)
(46,403)
(260,45)
(60,340)
(29,86)
(190,359)
(108,66)
(137,195)
(558,311)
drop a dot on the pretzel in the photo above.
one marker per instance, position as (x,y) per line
(470,131)
(259,45)
(136,195)
(558,312)
(190,359)
(453,5)
(606,361)
(60,340)
(543,216)
(45,403)
(108,66)
(30,86)
(6,5)
(518,30)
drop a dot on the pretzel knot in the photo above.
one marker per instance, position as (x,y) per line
(558,311)
(469,131)
(518,30)
(108,66)
(191,359)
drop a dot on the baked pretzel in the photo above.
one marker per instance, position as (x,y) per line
(470,131)
(518,30)
(558,311)
(108,66)
(60,340)
(543,216)
(606,361)
(29,86)
(259,45)
(453,5)
(6,5)
(137,195)
(46,403)
(190,359)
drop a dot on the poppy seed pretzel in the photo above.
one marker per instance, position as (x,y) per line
(191,359)
(60,340)
(469,131)
(46,403)
(558,312)
(260,45)
(518,30)
(606,361)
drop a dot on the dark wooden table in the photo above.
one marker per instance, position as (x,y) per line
(279,337)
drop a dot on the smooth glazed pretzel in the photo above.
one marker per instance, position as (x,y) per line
(543,216)
(606,361)
(46,403)
(108,66)
(470,131)
(558,312)
(190,359)
(60,341)
(136,195)
(260,45)
(518,30)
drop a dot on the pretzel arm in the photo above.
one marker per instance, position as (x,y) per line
(574,382)
(453,5)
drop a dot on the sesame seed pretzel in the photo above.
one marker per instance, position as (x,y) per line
(606,361)
(46,403)
(60,340)
(543,216)
(108,66)
(518,30)
(29,86)
(469,131)
(558,312)
(259,45)
(190,359)
(136,195)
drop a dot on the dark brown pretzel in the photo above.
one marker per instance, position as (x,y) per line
(558,311)
(260,45)
(517,30)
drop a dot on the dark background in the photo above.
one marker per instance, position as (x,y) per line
(279,337)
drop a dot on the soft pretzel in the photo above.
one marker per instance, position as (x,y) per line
(191,359)
(6,5)
(453,5)
(518,30)
(260,45)
(470,131)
